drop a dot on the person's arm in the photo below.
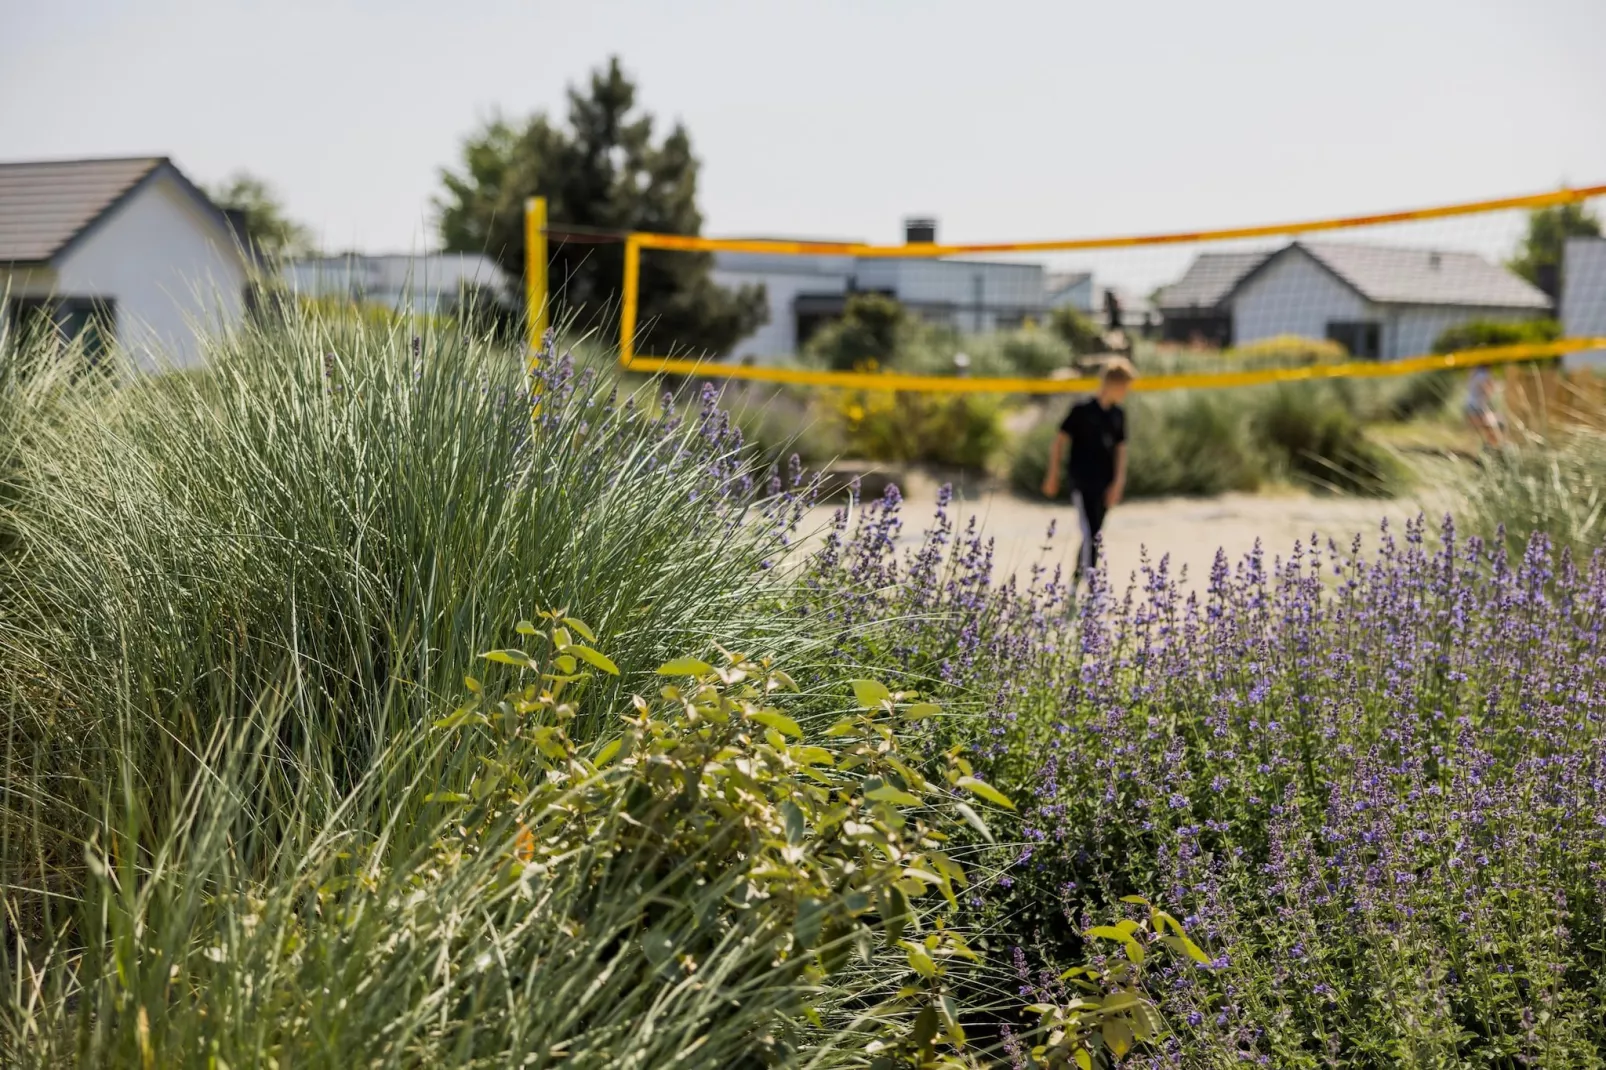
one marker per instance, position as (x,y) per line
(1056,465)
(1118,488)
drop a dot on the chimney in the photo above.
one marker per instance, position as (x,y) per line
(919,231)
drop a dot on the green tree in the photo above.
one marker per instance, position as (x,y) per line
(1539,256)
(270,232)
(603,171)
(870,330)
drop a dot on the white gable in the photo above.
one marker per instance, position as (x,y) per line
(171,267)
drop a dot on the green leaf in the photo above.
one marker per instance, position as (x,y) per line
(894,913)
(465,714)
(1083,1059)
(920,959)
(524,627)
(974,820)
(985,790)
(1118,1036)
(580,626)
(870,693)
(446,797)
(813,756)
(1107,932)
(842,728)
(779,721)
(1136,900)
(606,754)
(685,667)
(510,657)
(888,794)
(925,1027)
(596,658)
(795,826)
(921,710)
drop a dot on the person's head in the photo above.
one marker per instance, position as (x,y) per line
(1118,375)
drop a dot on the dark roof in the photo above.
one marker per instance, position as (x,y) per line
(1387,275)
(1208,280)
(46,205)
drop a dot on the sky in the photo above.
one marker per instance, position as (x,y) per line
(1005,119)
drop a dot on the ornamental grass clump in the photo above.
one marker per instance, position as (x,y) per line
(1372,784)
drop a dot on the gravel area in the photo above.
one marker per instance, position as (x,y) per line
(1189,530)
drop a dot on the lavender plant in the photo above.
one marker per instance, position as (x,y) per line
(1373,785)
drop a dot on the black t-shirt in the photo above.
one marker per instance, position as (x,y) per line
(1095,432)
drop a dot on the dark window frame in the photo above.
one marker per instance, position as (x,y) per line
(70,317)
(1362,338)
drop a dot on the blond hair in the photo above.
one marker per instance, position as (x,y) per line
(1118,370)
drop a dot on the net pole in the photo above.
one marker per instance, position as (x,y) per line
(535,278)
(627,310)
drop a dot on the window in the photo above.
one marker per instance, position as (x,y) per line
(1361,337)
(91,321)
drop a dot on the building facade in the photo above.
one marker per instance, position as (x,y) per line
(1380,302)
(1583,297)
(118,251)
(804,292)
(427,283)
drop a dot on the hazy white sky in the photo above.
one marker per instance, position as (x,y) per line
(835,118)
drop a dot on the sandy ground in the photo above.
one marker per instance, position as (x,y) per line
(1190,530)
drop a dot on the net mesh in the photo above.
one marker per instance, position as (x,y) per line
(1366,296)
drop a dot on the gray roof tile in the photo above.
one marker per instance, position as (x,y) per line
(1208,279)
(43,206)
(1389,275)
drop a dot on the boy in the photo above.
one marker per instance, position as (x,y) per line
(1094,431)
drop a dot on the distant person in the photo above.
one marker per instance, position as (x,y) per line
(1480,407)
(1112,311)
(1094,435)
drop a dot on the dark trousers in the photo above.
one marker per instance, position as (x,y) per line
(1090,510)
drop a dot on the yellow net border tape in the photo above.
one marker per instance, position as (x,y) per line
(635,243)
(1468,358)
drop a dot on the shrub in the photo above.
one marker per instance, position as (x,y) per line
(1312,437)
(959,430)
(1077,331)
(1288,351)
(869,332)
(1484,334)
(1555,486)
(1372,785)
(1192,443)
(354,507)
(1034,353)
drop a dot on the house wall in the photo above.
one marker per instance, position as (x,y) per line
(1005,291)
(1078,296)
(427,282)
(1411,330)
(1295,295)
(1583,298)
(784,278)
(172,269)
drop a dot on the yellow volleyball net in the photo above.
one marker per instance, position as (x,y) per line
(1487,282)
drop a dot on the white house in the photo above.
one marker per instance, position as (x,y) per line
(1069,289)
(804,292)
(1380,302)
(422,282)
(1583,297)
(118,250)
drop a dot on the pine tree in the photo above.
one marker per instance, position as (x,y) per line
(604,172)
